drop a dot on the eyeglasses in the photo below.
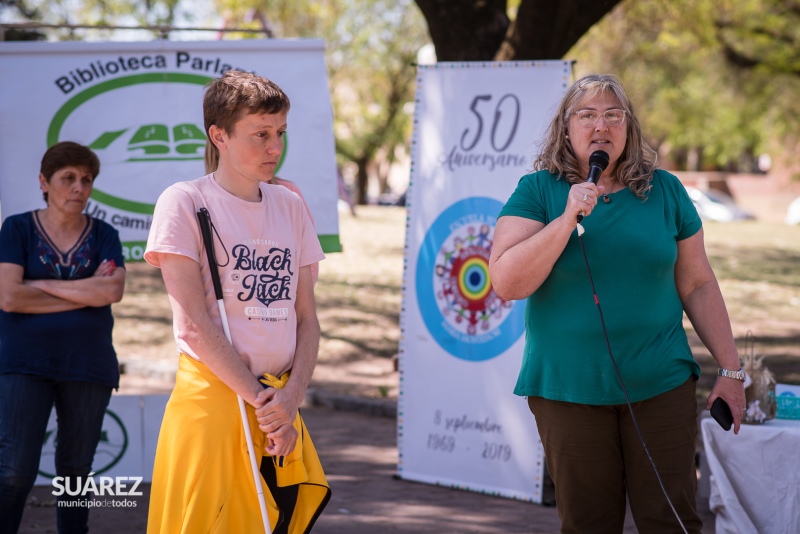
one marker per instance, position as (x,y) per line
(589,118)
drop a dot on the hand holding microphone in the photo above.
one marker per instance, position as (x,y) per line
(598,162)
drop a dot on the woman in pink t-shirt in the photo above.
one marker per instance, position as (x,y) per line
(211,160)
(264,244)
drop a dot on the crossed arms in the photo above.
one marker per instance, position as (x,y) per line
(19,295)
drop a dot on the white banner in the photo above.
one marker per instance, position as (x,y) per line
(459,424)
(139,106)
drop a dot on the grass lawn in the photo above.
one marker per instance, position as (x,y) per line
(359,301)
(758,267)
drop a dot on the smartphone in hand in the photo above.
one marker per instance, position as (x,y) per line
(721,412)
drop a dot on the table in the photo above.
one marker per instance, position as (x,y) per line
(755,477)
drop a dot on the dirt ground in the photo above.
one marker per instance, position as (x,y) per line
(359,301)
(359,453)
(359,304)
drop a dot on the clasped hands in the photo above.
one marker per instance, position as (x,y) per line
(276,410)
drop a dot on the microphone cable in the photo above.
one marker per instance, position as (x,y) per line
(622,382)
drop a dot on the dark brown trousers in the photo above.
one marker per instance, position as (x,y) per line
(595,458)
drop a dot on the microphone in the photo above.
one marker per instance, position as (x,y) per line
(598,162)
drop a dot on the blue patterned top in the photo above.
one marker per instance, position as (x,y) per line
(70,345)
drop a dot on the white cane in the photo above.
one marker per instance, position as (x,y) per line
(205,228)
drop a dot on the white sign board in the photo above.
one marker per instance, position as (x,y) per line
(139,106)
(459,424)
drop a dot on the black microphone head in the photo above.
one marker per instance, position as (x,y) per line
(599,158)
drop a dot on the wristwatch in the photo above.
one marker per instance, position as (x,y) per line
(738,375)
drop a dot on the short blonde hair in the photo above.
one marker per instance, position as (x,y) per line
(228,96)
(636,164)
(237,91)
(211,157)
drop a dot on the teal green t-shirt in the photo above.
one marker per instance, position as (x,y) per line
(632,247)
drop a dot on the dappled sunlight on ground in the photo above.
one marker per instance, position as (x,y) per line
(359,300)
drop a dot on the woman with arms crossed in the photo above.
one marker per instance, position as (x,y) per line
(644,243)
(60,271)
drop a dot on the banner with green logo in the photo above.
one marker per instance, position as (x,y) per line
(139,106)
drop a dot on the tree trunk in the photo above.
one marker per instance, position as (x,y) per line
(545,29)
(479,30)
(693,159)
(362,181)
(465,30)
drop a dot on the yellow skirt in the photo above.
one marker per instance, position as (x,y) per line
(202,479)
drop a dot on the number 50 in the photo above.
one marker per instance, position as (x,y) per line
(498,115)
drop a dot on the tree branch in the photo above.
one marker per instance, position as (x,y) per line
(731,48)
(545,29)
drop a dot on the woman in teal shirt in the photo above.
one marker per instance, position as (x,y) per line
(644,243)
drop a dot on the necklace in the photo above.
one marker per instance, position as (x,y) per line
(607,196)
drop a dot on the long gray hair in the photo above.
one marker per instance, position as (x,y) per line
(637,162)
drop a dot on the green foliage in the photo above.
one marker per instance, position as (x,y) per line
(371,50)
(51,12)
(372,76)
(763,33)
(690,97)
(282,18)
(100,12)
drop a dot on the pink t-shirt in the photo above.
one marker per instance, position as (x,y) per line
(260,248)
(294,189)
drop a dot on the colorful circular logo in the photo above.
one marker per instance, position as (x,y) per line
(454,290)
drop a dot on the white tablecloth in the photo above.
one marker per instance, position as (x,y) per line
(755,477)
